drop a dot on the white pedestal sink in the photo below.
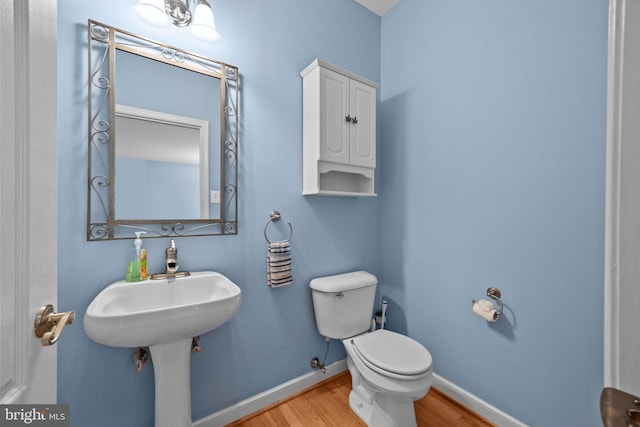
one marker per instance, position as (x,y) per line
(164,315)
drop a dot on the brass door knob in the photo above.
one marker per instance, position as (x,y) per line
(48,325)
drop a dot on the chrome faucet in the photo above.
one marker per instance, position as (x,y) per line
(171,264)
(171,259)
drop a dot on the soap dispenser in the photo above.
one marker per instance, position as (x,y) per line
(134,266)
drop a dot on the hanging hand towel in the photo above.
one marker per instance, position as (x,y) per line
(279,264)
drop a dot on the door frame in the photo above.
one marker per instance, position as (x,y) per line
(622,223)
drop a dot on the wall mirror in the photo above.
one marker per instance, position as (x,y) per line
(163,132)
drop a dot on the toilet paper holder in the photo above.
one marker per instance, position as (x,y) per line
(494,293)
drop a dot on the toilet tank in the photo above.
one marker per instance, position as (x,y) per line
(343,303)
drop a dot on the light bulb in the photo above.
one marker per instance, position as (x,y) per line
(152,12)
(203,25)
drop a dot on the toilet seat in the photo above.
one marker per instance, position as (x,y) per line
(392,354)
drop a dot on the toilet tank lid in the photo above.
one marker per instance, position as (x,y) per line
(343,282)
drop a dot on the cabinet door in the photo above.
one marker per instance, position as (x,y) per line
(334,108)
(363,129)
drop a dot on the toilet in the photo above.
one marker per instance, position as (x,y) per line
(388,370)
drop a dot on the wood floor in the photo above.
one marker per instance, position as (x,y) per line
(327,405)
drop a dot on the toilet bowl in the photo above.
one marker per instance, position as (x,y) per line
(388,370)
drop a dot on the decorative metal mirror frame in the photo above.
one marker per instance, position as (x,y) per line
(103,41)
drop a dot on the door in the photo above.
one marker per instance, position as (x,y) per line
(28,199)
(363,127)
(622,247)
(334,109)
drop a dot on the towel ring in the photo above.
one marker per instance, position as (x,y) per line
(275,217)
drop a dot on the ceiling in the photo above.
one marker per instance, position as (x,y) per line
(379,7)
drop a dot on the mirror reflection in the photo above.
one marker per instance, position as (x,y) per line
(163,139)
(162,158)
(162,166)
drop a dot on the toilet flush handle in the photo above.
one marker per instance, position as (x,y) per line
(339,295)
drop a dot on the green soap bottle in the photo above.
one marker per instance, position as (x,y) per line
(133,267)
(133,271)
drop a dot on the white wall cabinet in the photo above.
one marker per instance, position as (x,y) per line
(339,132)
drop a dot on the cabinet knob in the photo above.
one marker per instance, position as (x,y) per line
(348,118)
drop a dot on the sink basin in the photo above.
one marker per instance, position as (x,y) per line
(164,315)
(142,314)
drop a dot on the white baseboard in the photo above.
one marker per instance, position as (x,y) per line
(479,406)
(269,397)
(266,398)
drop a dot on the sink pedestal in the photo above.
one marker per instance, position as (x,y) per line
(164,315)
(172,371)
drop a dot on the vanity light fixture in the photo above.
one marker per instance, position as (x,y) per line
(161,13)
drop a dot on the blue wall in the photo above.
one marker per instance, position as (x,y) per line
(493,156)
(492,159)
(273,336)
(154,182)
